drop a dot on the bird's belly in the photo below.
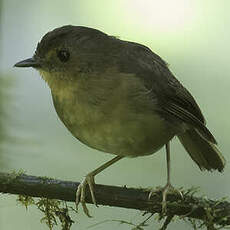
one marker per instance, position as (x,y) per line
(132,136)
(113,129)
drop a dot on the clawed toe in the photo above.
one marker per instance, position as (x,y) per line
(81,191)
(89,180)
(165,190)
(168,187)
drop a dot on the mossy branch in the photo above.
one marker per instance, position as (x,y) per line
(209,211)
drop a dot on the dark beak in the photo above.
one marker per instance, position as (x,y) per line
(30,62)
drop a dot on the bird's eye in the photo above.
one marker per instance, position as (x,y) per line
(63,55)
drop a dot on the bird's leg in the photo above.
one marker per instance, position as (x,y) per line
(168,187)
(89,179)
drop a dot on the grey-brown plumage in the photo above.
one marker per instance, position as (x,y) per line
(120,97)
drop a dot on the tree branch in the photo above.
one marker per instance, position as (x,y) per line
(209,211)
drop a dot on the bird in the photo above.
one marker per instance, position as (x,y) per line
(121,98)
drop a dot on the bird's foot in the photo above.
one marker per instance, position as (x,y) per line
(81,190)
(165,190)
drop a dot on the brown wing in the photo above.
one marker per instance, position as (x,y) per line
(178,102)
(174,100)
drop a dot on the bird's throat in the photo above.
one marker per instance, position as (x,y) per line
(59,83)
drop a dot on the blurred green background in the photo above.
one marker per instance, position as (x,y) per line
(191,35)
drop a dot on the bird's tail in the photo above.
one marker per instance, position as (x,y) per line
(202,151)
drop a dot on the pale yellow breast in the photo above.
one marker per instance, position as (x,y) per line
(109,115)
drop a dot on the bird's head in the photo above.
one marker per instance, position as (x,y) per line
(67,51)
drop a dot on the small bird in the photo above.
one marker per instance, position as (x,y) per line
(119,97)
